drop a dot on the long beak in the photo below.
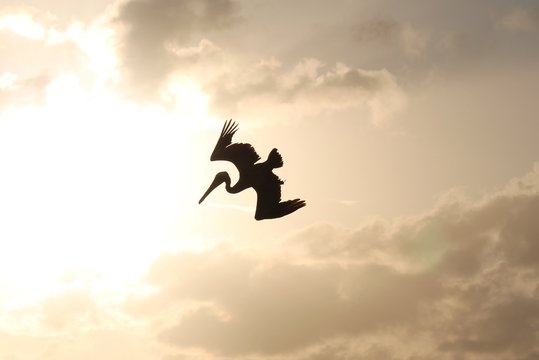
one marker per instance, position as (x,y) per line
(213,185)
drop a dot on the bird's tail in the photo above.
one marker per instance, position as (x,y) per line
(275,160)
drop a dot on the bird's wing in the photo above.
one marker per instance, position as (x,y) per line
(225,139)
(269,205)
(241,155)
(268,193)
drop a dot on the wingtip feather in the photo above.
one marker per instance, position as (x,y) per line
(229,128)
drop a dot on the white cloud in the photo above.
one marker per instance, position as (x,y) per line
(204,48)
(79,47)
(24,25)
(7,80)
(15,91)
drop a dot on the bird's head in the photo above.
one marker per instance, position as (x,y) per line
(220,178)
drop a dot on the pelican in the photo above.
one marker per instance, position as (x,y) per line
(259,176)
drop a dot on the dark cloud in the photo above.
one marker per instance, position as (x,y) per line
(459,281)
(377,30)
(401,38)
(152,25)
(399,35)
(521,19)
(286,307)
(507,326)
(163,37)
(270,90)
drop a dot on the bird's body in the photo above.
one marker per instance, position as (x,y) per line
(259,176)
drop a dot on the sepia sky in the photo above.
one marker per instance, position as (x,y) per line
(409,127)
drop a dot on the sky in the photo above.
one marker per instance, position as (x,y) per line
(408,127)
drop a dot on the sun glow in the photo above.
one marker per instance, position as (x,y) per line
(189,101)
(96,42)
(91,191)
(94,187)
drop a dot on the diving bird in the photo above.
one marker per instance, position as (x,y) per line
(259,176)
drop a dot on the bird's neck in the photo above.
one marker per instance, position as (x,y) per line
(231,189)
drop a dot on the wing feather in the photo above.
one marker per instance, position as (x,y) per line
(240,154)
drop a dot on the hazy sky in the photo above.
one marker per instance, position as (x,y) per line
(409,127)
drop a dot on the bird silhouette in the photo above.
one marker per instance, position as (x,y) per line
(259,176)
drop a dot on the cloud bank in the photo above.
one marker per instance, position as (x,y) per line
(460,281)
(165,41)
(268,90)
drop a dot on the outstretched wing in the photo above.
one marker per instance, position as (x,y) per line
(241,155)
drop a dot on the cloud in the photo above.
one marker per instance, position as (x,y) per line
(286,306)
(7,80)
(153,27)
(168,40)
(268,90)
(71,322)
(521,20)
(72,308)
(74,47)
(457,281)
(15,92)
(204,49)
(22,24)
(392,33)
